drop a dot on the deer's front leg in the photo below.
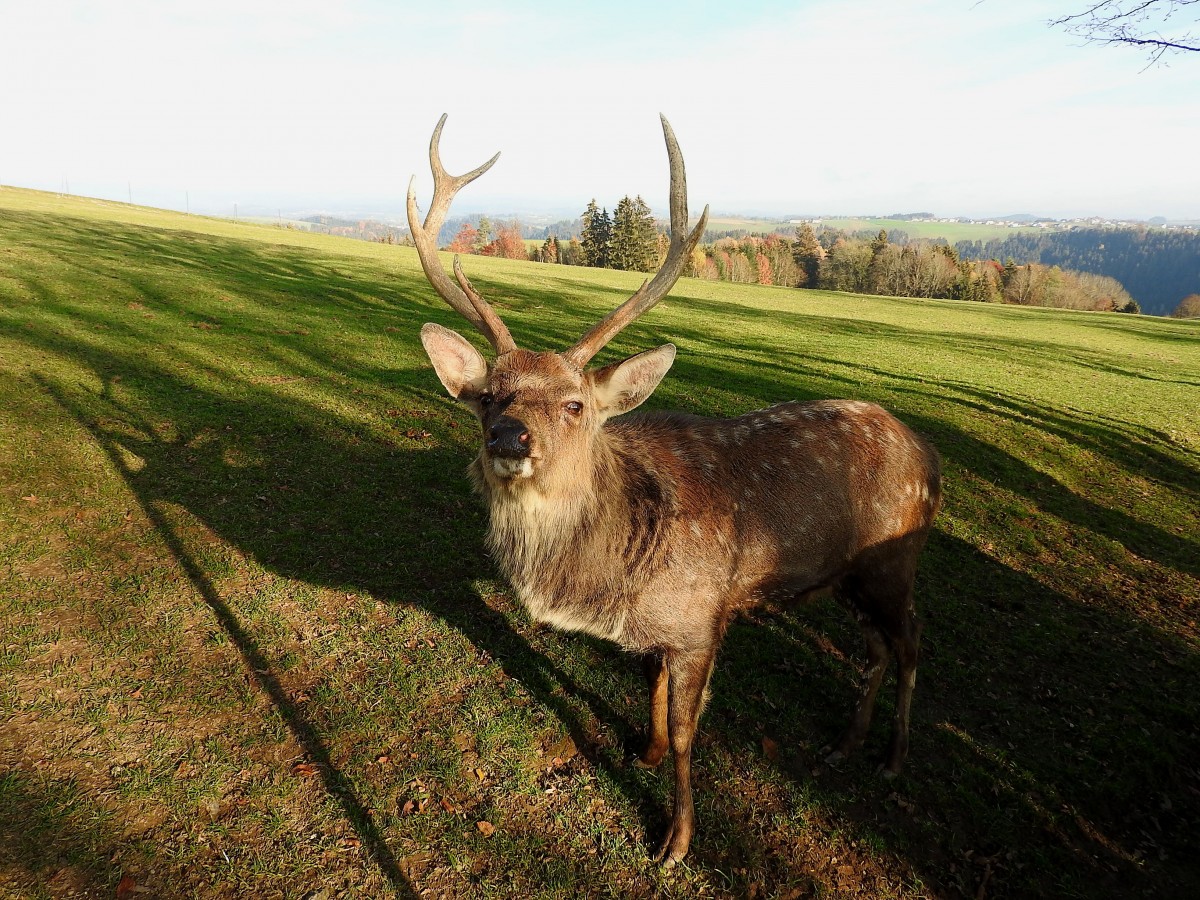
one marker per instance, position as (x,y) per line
(687,678)
(657,678)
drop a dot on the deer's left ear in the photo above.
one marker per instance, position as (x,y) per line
(623,386)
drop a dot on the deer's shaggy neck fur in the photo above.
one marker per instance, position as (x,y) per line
(576,550)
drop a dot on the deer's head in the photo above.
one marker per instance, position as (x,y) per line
(540,411)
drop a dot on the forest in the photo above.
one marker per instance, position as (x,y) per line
(1157,266)
(1150,270)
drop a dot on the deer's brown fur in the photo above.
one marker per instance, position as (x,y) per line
(653,529)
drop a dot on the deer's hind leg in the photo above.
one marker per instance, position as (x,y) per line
(882,602)
(878,658)
(657,741)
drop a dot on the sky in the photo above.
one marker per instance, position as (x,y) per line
(855,107)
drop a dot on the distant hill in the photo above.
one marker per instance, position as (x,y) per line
(1159,267)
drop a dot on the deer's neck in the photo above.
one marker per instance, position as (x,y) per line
(576,540)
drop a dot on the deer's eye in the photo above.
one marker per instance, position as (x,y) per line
(574,407)
(485,400)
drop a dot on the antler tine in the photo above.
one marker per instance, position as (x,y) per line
(652,291)
(466,303)
(498,332)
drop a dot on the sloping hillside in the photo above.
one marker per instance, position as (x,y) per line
(252,645)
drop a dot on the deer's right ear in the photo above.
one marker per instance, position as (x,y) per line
(459,366)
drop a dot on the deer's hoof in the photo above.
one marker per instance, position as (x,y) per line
(649,759)
(673,848)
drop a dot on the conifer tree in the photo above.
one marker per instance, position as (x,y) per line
(484,237)
(597,236)
(634,241)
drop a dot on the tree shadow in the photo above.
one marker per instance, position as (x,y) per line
(53,835)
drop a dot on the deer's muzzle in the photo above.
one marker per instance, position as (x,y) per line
(508,437)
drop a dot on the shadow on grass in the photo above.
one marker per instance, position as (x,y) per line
(258,667)
(1053,742)
(53,831)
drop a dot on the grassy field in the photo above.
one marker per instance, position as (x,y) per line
(252,645)
(951,231)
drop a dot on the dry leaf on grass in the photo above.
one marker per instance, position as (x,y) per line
(125,887)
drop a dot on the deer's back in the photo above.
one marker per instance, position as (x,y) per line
(783,500)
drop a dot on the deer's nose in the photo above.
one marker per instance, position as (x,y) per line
(508,437)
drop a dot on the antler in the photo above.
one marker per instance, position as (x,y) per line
(463,298)
(682,244)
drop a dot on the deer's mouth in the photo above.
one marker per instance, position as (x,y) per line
(512,467)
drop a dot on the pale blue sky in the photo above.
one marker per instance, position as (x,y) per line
(957,107)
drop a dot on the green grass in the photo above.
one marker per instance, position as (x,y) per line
(252,645)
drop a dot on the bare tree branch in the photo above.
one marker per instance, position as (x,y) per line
(1162,26)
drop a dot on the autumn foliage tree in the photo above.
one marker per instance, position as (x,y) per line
(1188,308)
(508,243)
(548,253)
(807,253)
(466,240)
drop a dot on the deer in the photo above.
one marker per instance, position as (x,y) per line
(652,529)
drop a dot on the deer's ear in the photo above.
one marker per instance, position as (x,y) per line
(624,385)
(459,366)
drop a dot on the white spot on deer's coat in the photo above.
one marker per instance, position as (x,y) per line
(924,492)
